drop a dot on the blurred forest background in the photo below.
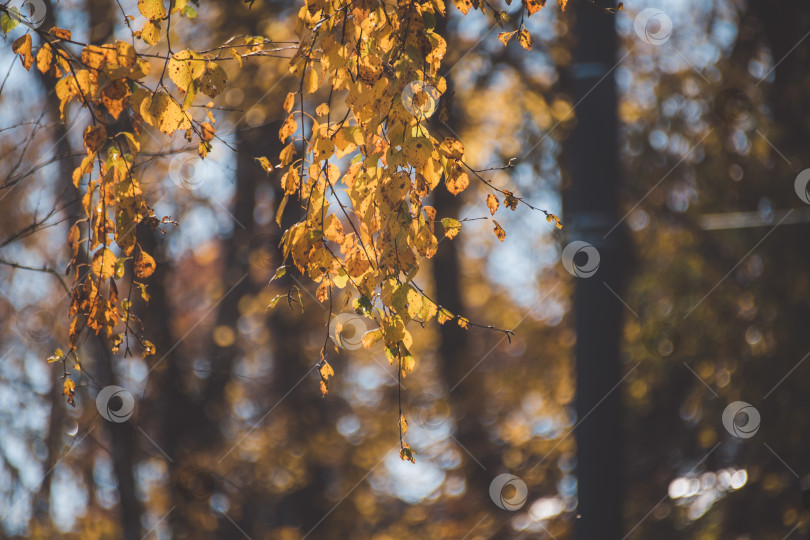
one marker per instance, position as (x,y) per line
(231,438)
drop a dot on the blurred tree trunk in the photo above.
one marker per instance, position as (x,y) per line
(66,164)
(459,365)
(191,419)
(590,208)
(315,417)
(782,28)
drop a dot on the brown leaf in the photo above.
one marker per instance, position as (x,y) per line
(289,101)
(22,46)
(103,263)
(525,39)
(94,138)
(458,183)
(213,80)
(115,97)
(533,6)
(406,453)
(506,37)
(322,294)
(287,129)
(463,5)
(61,33)
(492,203)
(44,58)
(510,201)
(144,265)
(326,372)
(207,131)
(499,232)
(452,148)
(69,391)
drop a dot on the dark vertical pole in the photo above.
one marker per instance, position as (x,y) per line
(590,212)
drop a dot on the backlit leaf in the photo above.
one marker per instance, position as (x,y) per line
(533,6)
(151,32)
(525,39)
(22,46)
(458,183)
(144,265)
(492,203)
(213,80)
(69,391)
(506,37)
(152,9)
(499,232)
(451,227)
(104,263)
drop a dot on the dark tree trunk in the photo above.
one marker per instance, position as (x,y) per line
(590,208)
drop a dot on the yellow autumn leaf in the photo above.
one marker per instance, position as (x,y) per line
(451,227)
(406,453)
(22,46)
(492,203)
(183,67)
(44,58)
(213,80)
(152,9)
(287,128)
(286,156)
(326,371)
(150,32)
(289,101)
(69,391)
(144,265)
(265,164)
(499,232)
(533,6)
(178,5)
(463,5)
(163,112)
(506,37)
(103,264)
(452,148)
(444,315)
(311,82)
(457,183)
(525,39)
